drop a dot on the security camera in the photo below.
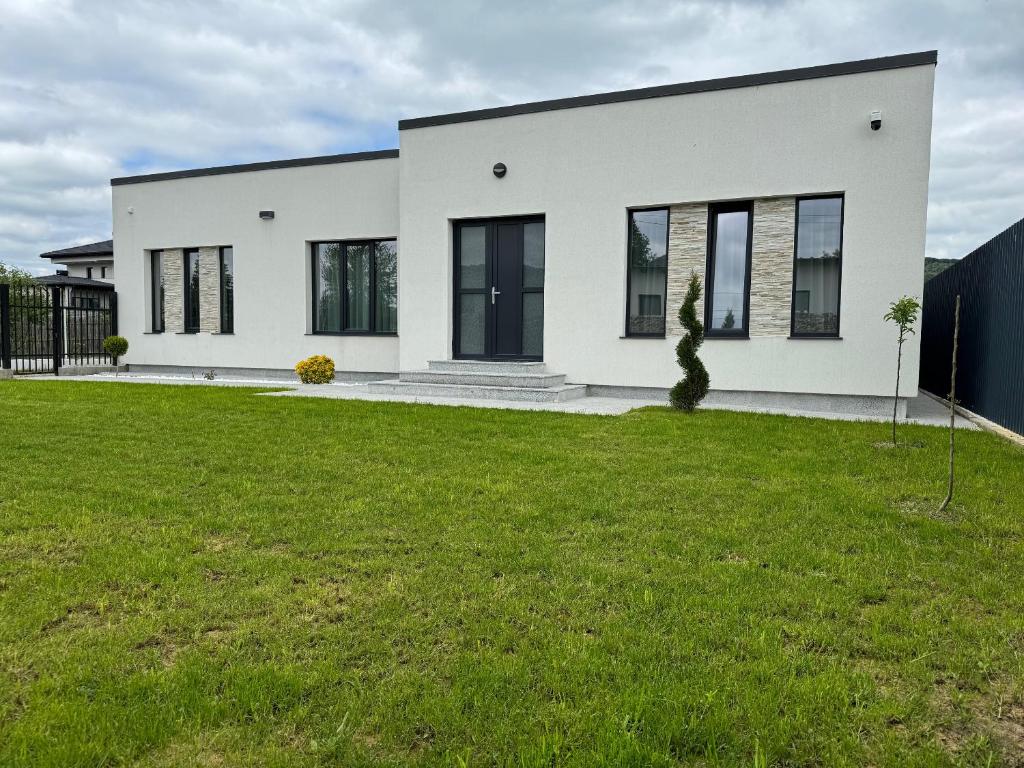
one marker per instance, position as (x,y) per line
(876,120)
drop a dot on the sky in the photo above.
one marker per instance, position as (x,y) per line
(95,89)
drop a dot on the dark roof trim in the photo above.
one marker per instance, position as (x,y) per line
(102,248)
(380,154)
(78,282)
(700,86)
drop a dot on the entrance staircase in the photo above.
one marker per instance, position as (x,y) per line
(482,380)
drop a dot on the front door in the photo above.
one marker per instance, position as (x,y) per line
(499,289)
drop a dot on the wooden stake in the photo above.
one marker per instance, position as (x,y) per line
(952,404)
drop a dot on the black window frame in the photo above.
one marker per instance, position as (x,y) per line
(189,308)
(742,331)
(629,270)
(227,320)
(156,292)
(793,334)
(343,303)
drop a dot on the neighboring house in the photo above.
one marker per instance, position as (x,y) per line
(565,232)
(990,353)
(94,261)
(79,292)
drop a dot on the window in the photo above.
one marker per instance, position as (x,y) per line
(647,276)
(191,290)
(85,302)
(817,266)
(355,287)
(88,273)
(650,305)
(728,290)
(103,271)
(227,290)
(385,283)
(156,287)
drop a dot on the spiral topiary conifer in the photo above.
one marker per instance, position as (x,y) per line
(693,387)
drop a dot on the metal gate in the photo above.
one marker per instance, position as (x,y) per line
(45,328)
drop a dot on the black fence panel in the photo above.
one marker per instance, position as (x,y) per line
(45,328)
(990,361)
(88,320)
(31,331)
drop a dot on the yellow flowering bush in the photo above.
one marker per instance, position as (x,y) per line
(318,369)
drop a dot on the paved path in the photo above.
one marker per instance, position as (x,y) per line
(922,410)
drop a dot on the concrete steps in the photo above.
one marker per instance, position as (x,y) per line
(482,380)
(486,366)
(487,379)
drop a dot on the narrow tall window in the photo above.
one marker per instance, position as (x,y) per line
(355,287)
(156,287)
(227,290)
(817,266)
(385,286)
(191,290)
(327,287)
(728,283)
(647,277)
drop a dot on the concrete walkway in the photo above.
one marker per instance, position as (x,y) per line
(921,410)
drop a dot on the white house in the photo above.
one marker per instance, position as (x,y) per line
(562,233)
(93,261)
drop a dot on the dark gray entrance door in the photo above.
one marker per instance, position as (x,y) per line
(499,289)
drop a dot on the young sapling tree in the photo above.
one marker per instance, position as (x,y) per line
(904,314)
(952,405)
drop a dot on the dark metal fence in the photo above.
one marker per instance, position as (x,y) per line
(45,328)
(990,361)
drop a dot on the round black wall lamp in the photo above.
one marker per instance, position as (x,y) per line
(499,169)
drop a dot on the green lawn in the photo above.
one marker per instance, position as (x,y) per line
(206,576)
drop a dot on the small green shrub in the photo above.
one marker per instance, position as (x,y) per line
(318,369)
(692,388)
(115,346)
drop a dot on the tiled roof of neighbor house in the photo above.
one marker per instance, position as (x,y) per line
(700,86)
(77,282)
(102,248)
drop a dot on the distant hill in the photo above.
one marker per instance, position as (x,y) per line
(932,267)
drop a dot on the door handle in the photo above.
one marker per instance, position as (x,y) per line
(494,293)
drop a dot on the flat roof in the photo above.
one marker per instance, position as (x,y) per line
(351,157)
(102,248)
(699,86)
(614,97)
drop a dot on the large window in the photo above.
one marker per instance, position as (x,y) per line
(647,277)
(728,285)
(355,287)
(227,290)
(191,290)
(156,287)
(817,266)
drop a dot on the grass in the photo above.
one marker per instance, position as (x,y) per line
(205,576)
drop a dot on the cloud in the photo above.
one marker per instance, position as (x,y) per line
(94,90)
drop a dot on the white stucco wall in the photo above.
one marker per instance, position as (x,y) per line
(80,268)
(582,168)
(341,201)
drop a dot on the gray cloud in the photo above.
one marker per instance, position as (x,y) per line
(92,90)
